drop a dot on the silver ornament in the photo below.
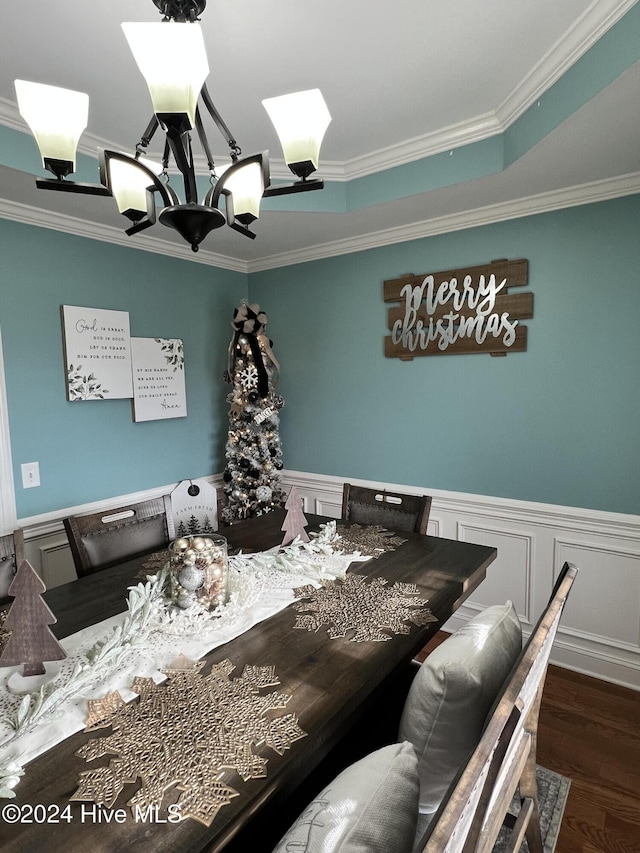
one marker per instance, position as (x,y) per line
(264,494)
(191,578)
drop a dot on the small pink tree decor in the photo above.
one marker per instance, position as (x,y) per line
(294,521)
(32,641)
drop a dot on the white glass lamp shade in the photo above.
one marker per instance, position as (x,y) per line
(300,120)
(172,59)
(56,117)
(246,186)
(128,183)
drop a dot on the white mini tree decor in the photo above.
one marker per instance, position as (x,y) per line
(294,521)
(254,457)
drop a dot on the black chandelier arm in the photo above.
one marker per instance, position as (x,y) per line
(180,144)
(202,136)
(71,186)
(297,187)
(180,10)
(242,229)
(166,154)
(140,226)
(149,132)
(220,123)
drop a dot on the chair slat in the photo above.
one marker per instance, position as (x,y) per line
(101,539)
(471,815)
(396,511)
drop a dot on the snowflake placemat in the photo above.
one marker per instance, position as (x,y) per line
(370,539)
(187,733)
(153,563)
(373,610)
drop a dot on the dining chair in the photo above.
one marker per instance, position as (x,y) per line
(11,556)
(476,806)
(407,513)
(102,539)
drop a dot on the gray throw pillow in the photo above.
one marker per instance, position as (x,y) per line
(371,807)
(452,694)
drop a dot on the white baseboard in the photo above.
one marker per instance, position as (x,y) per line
(599,633)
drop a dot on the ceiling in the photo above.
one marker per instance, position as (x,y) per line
(404,82)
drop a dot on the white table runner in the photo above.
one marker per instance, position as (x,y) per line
(106,657)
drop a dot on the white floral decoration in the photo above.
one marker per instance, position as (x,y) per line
(151,619)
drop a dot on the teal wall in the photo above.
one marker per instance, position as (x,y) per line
(93,450)
(559,423)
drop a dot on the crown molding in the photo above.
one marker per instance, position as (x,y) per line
(589,193)
(581,36)
(447,138)
(106,234)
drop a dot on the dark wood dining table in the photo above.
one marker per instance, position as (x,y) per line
(338,688)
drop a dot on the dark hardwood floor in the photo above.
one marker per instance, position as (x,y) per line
(589,730)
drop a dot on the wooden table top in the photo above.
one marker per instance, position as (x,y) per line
(330,682)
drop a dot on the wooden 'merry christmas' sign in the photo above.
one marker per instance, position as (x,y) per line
(467,310)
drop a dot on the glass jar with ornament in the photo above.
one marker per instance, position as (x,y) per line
(199,571)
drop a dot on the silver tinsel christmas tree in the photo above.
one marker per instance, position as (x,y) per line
(254,456)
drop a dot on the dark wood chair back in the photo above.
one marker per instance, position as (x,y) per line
(476,806)
(11,556)
(408,513)
(102,539)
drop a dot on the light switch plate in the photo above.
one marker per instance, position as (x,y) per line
(30,475)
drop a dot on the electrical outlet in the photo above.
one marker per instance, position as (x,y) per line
(30,475)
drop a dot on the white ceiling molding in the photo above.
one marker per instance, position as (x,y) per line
(94,231)
(542,203)
(588,193)
(444,139)
(594,23)
(596,20)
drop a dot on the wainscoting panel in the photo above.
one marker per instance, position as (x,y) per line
(600,630)
(609,587)
(510,575)
(50,556)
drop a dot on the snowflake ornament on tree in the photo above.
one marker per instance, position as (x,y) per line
(254,457)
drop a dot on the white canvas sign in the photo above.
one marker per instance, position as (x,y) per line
(97,353)
(158,379)
(194,505)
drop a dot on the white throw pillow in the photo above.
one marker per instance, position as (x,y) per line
(452,694)
(371,807)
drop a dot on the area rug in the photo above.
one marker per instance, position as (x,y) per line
(553,791)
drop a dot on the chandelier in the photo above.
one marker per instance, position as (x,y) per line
(172,58)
